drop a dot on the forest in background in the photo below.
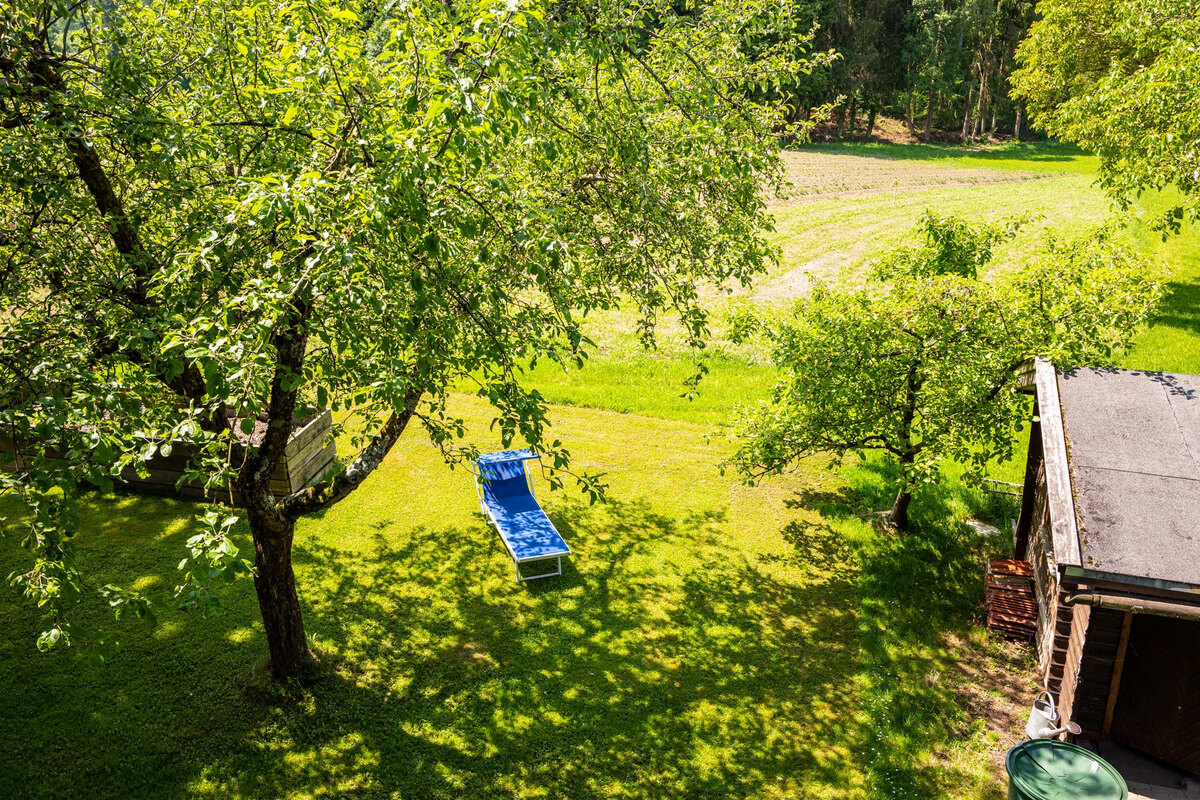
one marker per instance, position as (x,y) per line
(941,66)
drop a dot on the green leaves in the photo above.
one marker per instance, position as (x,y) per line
(356,213)
(927,370)
(212,557)
(1119,78)
(49,639)
(952,246)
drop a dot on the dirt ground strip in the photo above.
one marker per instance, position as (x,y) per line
(820,176)
(995,687)
(797,282)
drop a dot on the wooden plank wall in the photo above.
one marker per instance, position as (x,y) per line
(1114,686)
(306,458)
(1033,493)
(312,466)
(164,474)
(1070,638)
(1049,531)
(1081,661)
(1098,659)
(1045,585)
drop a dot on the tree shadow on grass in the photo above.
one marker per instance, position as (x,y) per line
(921,596)
(70,728)
(1180,307)
(663,663)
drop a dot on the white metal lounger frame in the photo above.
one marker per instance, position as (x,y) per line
(487,513)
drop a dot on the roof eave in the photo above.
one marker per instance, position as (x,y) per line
(1080,573)
(1059,491)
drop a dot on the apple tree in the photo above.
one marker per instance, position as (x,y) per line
(925,366)
(220,211)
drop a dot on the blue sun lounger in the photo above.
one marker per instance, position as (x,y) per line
(505,490)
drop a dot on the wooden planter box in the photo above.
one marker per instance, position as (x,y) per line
(306,458)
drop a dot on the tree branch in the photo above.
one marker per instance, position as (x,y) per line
(121,230)
(332,490)
(91,170)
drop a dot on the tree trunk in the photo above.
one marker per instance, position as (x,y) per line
(981,104)
(966,126)
(929,116)
(899,513)
(853,114)
(797,110)
(271,527)
(275,583)
(841,122)
(871,121)
(1017,124)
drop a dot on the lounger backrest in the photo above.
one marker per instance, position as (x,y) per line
(504,479)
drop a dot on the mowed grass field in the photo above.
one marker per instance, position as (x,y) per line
(707,639)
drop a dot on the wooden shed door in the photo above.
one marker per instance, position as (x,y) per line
(1158,703)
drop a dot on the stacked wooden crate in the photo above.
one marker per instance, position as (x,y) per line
(309,454)
(1012,607)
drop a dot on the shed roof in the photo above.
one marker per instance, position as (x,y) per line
(1133,443)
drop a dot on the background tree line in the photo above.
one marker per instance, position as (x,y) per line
(942,66)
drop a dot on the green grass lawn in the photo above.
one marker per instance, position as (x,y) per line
(1041,157)
(706,640)
(1172,340)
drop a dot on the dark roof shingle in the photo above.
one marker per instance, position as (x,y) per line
(1133,440)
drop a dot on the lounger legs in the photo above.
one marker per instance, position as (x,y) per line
(517,569)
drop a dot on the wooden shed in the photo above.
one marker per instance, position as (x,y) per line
(1110,522)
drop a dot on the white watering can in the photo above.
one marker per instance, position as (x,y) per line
(1044,719)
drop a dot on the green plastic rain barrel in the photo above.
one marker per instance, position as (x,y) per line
(1044,769)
